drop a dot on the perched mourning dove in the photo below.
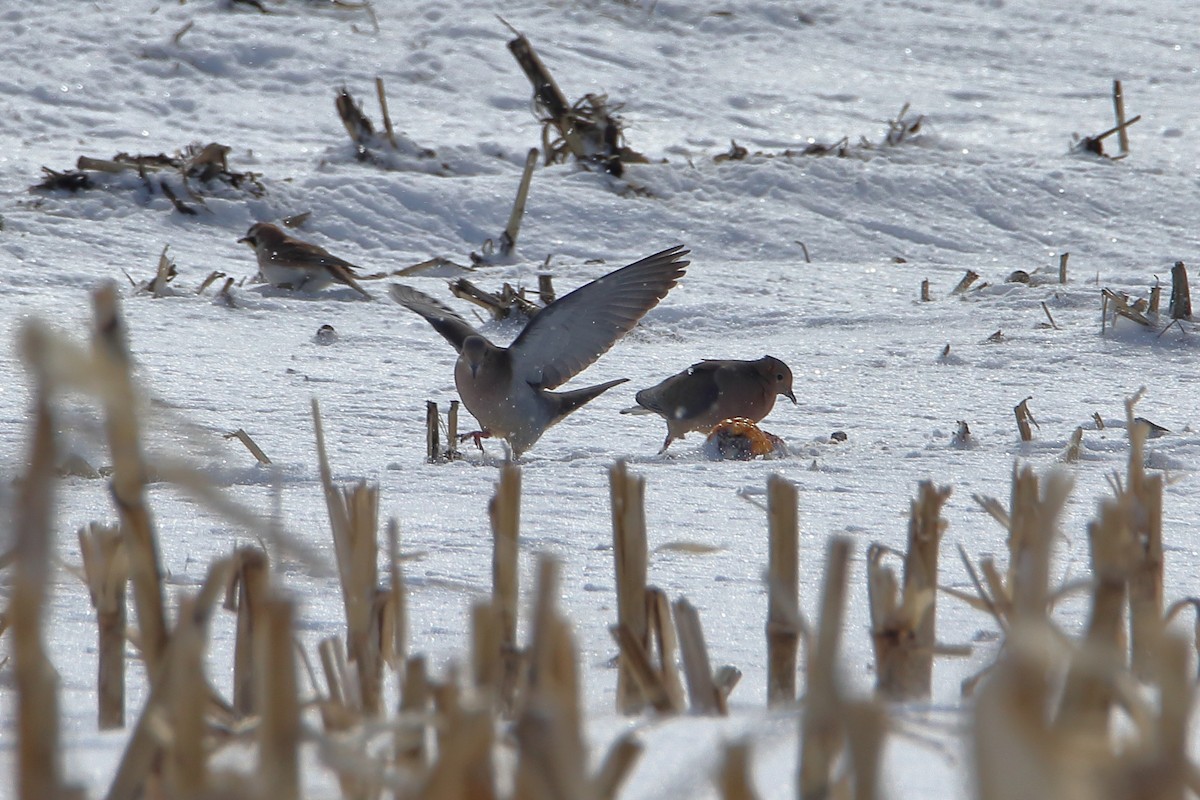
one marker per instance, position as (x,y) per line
(505,388)
(292,264)
(711,391)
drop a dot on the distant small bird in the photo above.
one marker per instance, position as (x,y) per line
(290,263)
(711,391)
(505,388)
(1153,429)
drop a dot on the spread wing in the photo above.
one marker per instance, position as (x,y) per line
(444,320)
(572,332)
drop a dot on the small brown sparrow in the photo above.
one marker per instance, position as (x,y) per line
(292,264)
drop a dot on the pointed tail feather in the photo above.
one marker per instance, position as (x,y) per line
(569,401)
(343,275)
(638,410)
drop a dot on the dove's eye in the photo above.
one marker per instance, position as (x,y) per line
(779,377)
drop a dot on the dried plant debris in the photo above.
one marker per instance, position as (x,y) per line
(600,133)
(185,178)
(1074,449)
(388,150)
(1095,144)
(841,148)
(70,181)
(967,279)
(900,130)
(336,5)
(736,153)
(589,130)
(212,276)
(902,127)
(1121,304)
(224,296)
(250,445)
(296,220)
(1181,297)
(436,267)
(163,275)
(1025,419)
(500,305)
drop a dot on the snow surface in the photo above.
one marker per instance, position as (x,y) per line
(989,184)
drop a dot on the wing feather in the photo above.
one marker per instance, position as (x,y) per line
(686,395)
(443,319)
(304,252)
(575,330)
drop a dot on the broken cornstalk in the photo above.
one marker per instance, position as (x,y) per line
(903,629)
(106,567)
(38,755)
(1088,694)
(706,697)
(383,109)
(630,556)
(129,472)
(1024,418)
(354,521)
(783,603)
(587,130)
(501,305)
(279,730)
(504,510)
(508,239)
(1181,297)
(1119,111)
(252,578)
(1145,494)
(965,283)
(433,445)
(821,728)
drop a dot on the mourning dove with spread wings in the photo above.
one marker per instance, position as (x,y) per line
(507,388)
(711,391)
(288,262)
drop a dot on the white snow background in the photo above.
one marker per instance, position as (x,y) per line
(989,184)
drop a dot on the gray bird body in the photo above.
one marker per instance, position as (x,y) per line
(290,263)
(710,391)
(507,388)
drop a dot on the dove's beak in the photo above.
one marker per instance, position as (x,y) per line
(246,240)
(790,396)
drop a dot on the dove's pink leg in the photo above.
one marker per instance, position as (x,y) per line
(476,436)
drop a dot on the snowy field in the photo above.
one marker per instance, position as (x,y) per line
(988,183)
